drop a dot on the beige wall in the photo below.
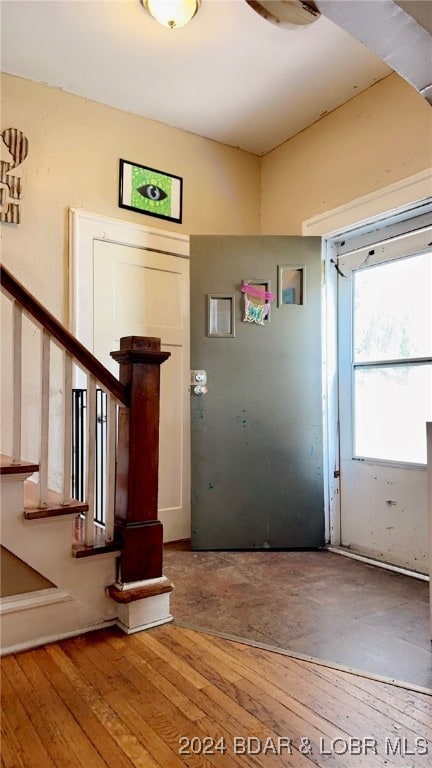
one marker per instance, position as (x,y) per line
(378,138)
(75,146)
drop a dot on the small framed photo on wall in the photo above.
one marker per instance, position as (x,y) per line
(149,191)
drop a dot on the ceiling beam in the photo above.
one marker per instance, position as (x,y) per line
(398,35)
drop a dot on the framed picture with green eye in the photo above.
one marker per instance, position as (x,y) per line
(149,191)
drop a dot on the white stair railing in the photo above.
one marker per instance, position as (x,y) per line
(55,439)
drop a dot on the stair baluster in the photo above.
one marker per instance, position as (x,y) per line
(17,380)
(91,461)
(67,429)
(44,420)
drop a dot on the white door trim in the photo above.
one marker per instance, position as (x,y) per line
(364,210)
(371,207)
(86,227)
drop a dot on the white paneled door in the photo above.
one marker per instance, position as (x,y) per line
(139,292)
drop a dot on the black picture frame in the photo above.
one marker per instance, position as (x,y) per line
(149,191)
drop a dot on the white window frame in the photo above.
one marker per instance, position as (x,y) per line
(390,250)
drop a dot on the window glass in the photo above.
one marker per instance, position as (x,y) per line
(392,405)
(393,310)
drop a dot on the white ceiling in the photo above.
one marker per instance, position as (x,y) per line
(229,75)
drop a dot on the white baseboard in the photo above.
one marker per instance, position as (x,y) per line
(47,616)
(26,646)
(379,563)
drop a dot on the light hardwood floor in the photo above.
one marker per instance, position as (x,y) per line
(107,700)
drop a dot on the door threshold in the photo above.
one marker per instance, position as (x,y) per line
(379,563)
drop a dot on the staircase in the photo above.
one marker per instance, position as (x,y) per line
(102,574)
(46,539)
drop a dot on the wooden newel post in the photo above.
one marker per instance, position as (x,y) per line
(137,526)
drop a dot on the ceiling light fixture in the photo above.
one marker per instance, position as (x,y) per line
(172,13)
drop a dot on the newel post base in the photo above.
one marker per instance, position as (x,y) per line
(142,606)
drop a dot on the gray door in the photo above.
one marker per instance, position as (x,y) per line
(257,470)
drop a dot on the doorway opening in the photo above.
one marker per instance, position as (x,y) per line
(379,387)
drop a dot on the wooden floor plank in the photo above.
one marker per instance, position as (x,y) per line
(181,644)
(222,715)
(83,748)
(26,735)
(137,702)
(125,739)
(306,714)
(386,725)
(108,700)
(12,754)
(349,723)
(150,641)
(299,719)
(356,701)
(401,711)
(269,760)
(166,720)
(165,723)
(404,701)
(317,687)
(91,725)
(41,716)
(173,694)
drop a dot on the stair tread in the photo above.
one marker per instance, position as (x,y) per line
(81,550)
(100,546)
(8,467)
(54,508)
